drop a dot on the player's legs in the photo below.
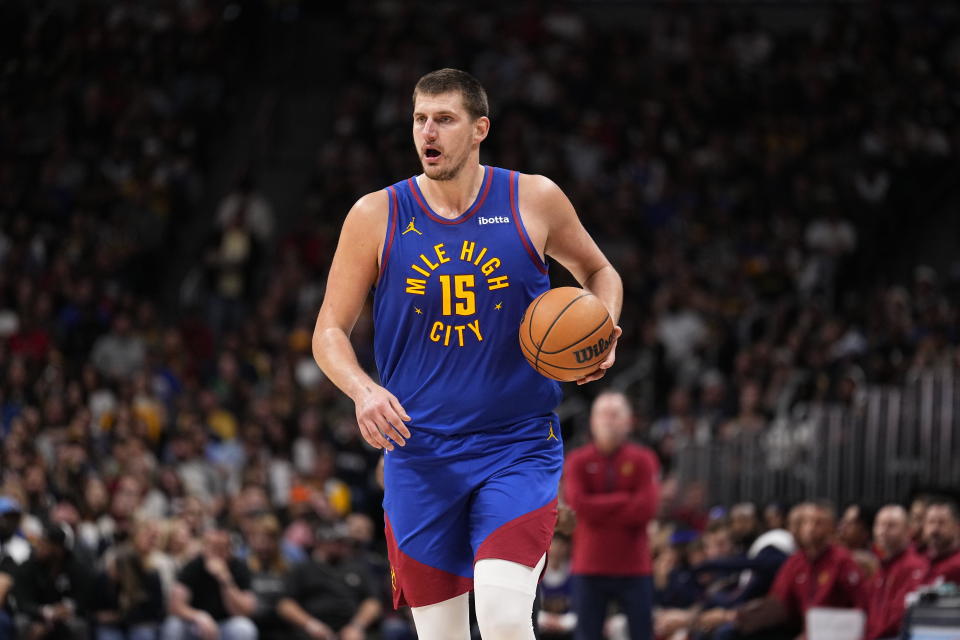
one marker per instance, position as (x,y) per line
(447,620)
(504,592)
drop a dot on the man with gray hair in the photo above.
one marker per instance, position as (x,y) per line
(901,567)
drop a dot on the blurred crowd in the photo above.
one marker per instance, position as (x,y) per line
(756,573)
(746,181)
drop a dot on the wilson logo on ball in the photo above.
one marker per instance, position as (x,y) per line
(594,350)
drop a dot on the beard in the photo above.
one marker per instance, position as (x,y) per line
(440,174)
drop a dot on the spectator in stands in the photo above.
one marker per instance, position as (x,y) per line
(744,525)
(268,571)
(331,595)
(14,551)
(556,618)
(918,510)
(612,485)
(901,568)
(120,353)
(128,600)
(53,589)
(856,527)
(211,598)
(941,536)
(820,574)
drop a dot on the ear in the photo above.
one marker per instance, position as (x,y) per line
(481,127)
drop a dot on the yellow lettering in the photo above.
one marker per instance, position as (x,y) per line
(434,334)
(475,327)
(480,256)
(466,253)
(497,283)
(441,254)
(417,286)
(459,329)
(420,269)
(446,338)
(463,285)
(490,266)
(427,262)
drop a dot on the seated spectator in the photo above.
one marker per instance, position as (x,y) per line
(128,600)
(941,535)
(901,567)
(14,551)
(556,617)
(331,595)
(744,525)
(268,571)
(211,598)
(52,590)
(820,574)
(854,532)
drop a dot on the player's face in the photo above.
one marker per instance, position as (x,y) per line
(444,134)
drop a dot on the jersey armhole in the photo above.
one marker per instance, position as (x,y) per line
(538,262)
(391,231)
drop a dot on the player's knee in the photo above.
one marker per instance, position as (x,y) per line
(504,614)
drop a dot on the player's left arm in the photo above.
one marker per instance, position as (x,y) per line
(550,214)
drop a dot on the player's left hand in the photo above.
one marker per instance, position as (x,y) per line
(606,364)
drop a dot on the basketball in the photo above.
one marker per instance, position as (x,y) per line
(566,333)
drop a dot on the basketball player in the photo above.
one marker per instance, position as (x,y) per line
(473,454)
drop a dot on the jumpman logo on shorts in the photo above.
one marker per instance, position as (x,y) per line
(552,434)
(410,227)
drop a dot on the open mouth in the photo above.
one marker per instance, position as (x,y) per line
(431,154)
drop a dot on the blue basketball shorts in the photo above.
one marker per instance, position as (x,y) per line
(451,500)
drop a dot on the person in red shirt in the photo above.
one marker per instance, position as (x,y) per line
(820,574)
(941,534)
(901,567)
(612,486)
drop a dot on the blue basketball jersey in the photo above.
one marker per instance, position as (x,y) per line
(447,309)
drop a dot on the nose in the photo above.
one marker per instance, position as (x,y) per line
(429,129)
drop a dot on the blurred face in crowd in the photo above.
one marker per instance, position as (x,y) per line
(817,526)
(265,537)
(610,421)
(444,134)
(891,530)
(743,522)
(940,530)
(852,532)
(717,544)
(216,544)
(918,509)
(144,537)
(794,517)
(773,517)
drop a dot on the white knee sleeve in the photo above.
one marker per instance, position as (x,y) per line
(504,592)
(447,620)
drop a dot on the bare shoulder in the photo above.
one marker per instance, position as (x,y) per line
(371,208)
(536,189)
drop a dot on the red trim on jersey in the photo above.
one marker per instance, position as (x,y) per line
(415,190)
(524,539)
(416,584)
(521,231)
(392,226)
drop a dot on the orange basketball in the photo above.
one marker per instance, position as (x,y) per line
(566,333)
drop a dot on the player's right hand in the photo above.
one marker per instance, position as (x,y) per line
(380,418)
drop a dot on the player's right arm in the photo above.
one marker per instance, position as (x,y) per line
(353,271)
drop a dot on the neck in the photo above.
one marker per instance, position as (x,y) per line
(450,198)
(607,447)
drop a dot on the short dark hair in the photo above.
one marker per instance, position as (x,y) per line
(447,80)
(943,501)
